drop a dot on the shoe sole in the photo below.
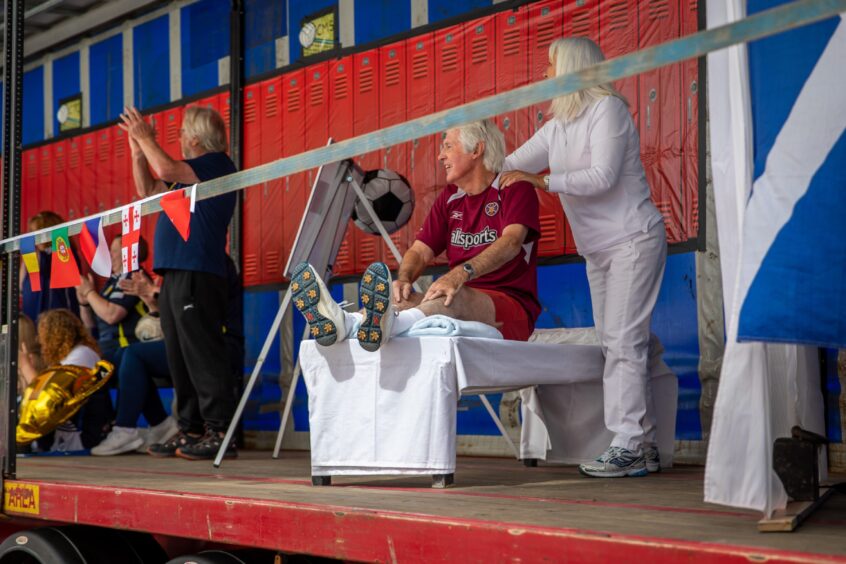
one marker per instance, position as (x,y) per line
(628,473)
(128,447)
(375,295)
(228,456)
(161,454)
(306,293)
(653,469)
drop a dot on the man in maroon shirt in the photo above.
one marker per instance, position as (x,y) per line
(489,235)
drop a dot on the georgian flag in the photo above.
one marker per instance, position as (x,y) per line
(130,235)
(92,241)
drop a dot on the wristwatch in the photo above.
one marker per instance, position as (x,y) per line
(546,182)
(468,268)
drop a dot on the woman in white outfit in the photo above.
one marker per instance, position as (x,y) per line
(592,151)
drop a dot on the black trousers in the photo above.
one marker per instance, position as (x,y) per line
(193,313)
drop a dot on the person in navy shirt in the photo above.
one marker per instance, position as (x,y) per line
(490,238)
(193,298)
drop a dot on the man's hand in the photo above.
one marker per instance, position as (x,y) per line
(135,126)
(447,286)
(510,177)
(86,285)
(402,291)
(139,284)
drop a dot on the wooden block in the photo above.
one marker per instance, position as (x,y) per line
(789,518)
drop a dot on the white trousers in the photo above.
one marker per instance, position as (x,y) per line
(624,283)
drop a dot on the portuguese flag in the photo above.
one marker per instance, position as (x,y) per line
(64,273)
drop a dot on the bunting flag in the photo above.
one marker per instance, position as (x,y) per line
(64,272)
(130,235)
(179,208)
(92,241)
(30,260)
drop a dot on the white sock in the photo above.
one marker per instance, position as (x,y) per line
(405,319)
(352,322)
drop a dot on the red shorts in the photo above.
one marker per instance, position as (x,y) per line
(516,325)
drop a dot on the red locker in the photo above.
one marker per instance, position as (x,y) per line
(512,71)
(212,102)
(581,19)
(224,109)
(617,37)
(110,184)
(91,191)
(45,185)
(59,201)
(690,124)
(479,54)
(122,187)
(340,128)
(366,103)
(316,113)
(273,218)
(660,127)
(30,187)
(252,244)
(449,76)
(392,95)
(293,142)
(171,122)
(74,177)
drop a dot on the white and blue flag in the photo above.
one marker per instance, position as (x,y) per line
(793,261)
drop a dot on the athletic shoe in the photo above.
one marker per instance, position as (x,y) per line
(616,462)
(157,434)
(652,459)
(207,448)
(119,441)
(375,295)
(325,317)
(169,447)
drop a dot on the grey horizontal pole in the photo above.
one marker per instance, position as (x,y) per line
(789,16)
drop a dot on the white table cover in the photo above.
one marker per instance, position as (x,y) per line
(394,411)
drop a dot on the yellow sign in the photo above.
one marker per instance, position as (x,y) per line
(70,114)
(318,34)
(20,498)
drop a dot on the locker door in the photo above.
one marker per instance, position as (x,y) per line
(92,193)
(224,110)
(212,102)
(110,184)
(122,188)
(30,187)
(449,76)
(512,70)
(293,142)
(581,19)
(479,67)
(316,113)
(340,128)
(171,122)
(252,247)
(45,167)
(392,93)
(690,124)
(617,37)
(272,219)
(660,117)
(546,21)
(60,178)
(74,176)
(366,106)
(422,161)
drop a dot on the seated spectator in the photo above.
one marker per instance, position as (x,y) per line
(29,352)
(65,340)
(35,303)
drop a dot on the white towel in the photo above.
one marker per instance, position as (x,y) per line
(443,326)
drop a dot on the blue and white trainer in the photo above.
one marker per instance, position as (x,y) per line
(652,459)
(311,297)
(616,462)
(375,295)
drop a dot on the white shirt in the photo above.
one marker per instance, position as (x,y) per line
(81,355)
(595,167)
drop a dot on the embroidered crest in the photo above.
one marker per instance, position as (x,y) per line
(491,208)
(62,249)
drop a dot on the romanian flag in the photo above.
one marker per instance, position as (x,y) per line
(179,208)
(64,272)
(92,242)
(30,260)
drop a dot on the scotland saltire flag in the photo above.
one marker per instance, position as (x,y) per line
(94,247)
(792,285)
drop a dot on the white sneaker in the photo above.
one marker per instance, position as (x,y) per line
(652,459)
(118,441)
(157,434)
(311,297)
(616,462)
(375,295)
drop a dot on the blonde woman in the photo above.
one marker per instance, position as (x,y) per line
(591,148)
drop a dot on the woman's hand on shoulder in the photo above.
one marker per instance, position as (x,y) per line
(506,179)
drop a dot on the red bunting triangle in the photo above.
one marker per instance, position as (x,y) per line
(177,207)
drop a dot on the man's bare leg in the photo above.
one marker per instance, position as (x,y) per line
(468,305)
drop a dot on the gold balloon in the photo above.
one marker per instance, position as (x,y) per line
(56,395)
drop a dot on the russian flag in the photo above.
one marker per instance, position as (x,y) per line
(94,247)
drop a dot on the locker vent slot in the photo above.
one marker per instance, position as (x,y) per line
(365,83)
(581,24)
(392,73)
(511,42)
(419,66)
(479,50)
(659,9)
(342,87)
(618,16)
(316,94)
(294,100)
(449,58)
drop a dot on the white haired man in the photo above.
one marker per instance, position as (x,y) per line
(489,237)
(193,298)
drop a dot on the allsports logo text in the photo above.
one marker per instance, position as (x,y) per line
(466,240)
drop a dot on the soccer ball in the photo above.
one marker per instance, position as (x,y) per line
(392,200)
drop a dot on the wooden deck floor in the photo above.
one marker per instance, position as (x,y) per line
(497,511)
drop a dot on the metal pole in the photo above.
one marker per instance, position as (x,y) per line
(236,126)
